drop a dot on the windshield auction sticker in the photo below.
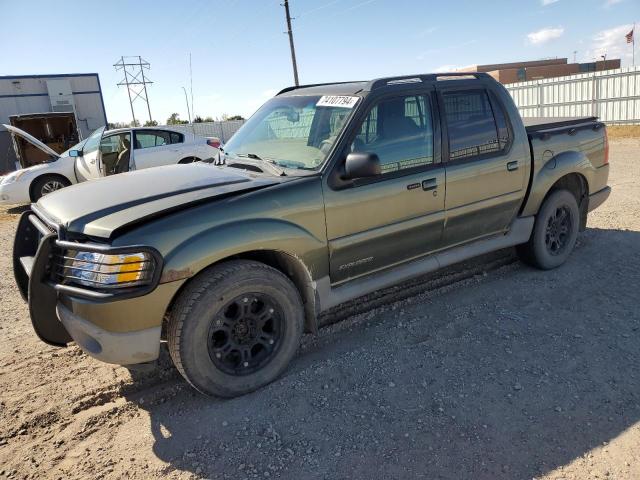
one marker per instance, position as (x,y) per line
(337,101)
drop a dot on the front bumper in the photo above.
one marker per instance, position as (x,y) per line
(14,193)
(122,348)
(113,328)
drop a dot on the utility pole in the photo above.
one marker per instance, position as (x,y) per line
(186,99)
(191,85)
(135,80)
(293,50)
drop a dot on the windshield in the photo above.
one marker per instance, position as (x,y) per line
(80,145)
(293,132)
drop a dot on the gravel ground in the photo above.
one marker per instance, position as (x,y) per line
(488,370)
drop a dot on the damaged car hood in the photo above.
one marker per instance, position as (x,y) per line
(99,207)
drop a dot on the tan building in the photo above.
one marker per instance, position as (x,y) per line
(537,69)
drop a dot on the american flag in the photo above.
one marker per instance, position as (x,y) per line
(630,36)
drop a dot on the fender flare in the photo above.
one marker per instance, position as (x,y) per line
(558,166)
(294,249)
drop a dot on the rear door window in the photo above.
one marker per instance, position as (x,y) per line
(474,129)
(148,139)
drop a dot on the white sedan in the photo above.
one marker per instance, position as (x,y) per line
(103,153)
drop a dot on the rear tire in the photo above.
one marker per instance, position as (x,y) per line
(554,233)
(235,328)
(48,184)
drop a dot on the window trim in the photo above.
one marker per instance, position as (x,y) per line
(336,164)
(494,102)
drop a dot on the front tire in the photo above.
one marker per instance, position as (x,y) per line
(48,184)
(554,233)
(235,328)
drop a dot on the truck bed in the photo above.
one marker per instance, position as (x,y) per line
(537,124)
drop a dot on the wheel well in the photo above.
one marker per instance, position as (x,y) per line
(578,186)
(46,175)
(189,160)
(287,264)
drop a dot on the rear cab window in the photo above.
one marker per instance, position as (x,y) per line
(476,126)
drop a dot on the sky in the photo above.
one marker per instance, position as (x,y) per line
(240,53)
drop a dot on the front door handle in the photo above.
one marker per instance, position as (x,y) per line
(512,166)
(429,184)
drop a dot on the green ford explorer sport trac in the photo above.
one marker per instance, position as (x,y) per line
(329,192)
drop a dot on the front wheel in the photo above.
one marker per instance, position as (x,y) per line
(48,184)
(554,233)
(235,328)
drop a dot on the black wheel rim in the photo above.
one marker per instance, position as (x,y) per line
(558,230)
(245,334)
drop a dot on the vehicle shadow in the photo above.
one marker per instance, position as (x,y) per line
(507,375)
(18,209)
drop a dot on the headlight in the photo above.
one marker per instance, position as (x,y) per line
(101,270)
(12,177)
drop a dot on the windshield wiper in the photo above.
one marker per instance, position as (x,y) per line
(271,163)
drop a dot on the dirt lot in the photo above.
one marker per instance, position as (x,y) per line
(488,370)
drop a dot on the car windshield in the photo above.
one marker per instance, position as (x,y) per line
(79,145)
(293,132)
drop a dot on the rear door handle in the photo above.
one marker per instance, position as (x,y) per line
(512,166)
(429,184)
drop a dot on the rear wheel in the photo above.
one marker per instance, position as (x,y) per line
(47,184)
(554,233)
(235,328)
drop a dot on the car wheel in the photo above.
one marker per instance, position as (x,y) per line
(554,233)
(235,328)
(47,184)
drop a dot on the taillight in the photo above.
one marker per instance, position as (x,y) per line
(215,143)
(606,146)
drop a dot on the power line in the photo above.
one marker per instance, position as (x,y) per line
(135,81)
(291,46)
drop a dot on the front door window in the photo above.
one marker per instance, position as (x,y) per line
(116,153)
(400,132)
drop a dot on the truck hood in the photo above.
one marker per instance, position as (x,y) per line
(99,207)
(32,140)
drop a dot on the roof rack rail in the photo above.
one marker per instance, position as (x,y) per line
(425,77)
(293,87)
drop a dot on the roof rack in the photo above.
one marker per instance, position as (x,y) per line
(293,87)
(399,80)
(428,77)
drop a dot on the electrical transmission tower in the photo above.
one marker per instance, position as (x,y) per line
(135,80)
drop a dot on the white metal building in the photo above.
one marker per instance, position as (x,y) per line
(79,93)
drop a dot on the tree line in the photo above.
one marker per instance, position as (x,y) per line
(174,119)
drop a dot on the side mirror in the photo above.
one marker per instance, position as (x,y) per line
(75,153)
(361,164)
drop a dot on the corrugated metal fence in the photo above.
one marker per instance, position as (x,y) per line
(612,95)
(223,130)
